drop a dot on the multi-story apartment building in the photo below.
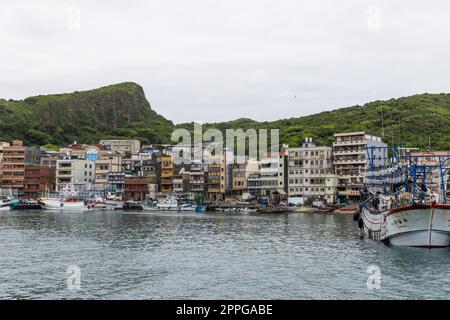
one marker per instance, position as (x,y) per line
(196,178)
(215,178)
(181,181)
(106,165)
(254,185)
(38,180)
(274,173)
(350,161)
(310,173)
(238,179)
(123,147)
(49,161)
(12,169)
(116,182)
(136,188)
(74,173)
(166,180)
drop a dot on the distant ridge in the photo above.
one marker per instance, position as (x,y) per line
(122,111)
(409,121)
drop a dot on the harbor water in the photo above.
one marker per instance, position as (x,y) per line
(207,256)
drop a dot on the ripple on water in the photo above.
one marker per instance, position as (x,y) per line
(207,256)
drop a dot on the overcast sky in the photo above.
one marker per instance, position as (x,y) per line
(213,60)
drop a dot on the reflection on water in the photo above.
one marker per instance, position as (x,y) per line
(209,256)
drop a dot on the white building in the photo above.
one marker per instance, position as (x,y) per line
(310,173)
(74,173)
(122,146)
(273,173)
(350,161)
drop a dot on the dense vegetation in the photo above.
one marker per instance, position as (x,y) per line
(415,121)
(122,111)
(117,111)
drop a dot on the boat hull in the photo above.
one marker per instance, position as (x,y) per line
(413,226)
(427,226)
(64,206)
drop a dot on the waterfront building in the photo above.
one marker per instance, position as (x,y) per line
(350,161)
(75,174)
(181,181)
(215,174)
(310,173)
(196,178)
(38,180)
(124,147)
(106,161)
(12,167)
(116,182)
(166,179)
(274,173)
(238,179)
(254,185)
(106,165)
(136,188)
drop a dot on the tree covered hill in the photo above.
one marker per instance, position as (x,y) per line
(121,111)
(413,121)
(116,111)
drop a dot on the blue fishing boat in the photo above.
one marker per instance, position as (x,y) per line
(201,208)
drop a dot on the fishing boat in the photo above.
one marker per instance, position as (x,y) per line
(406,201)
(5,203)
(26,204)
(167,204)
(132,206)
(97,203)
(201,208)
(64,204)
(187,207)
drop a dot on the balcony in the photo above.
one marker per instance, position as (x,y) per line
(349,193)
(350,161)
(63,174)
(350,142)
(166,174)
(349,152)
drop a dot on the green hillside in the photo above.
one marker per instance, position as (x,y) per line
(410,121)
(122,111)
(116,111)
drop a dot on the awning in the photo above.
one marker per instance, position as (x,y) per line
(281,191)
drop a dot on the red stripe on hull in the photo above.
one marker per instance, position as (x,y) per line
(407,208)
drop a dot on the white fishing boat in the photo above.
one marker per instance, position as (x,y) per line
(403,208)
(167,204)
(5,204)
(187,207)
(63,204)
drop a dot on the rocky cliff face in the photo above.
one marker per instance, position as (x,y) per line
(116,111)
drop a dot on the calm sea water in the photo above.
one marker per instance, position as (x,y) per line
(207,256)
